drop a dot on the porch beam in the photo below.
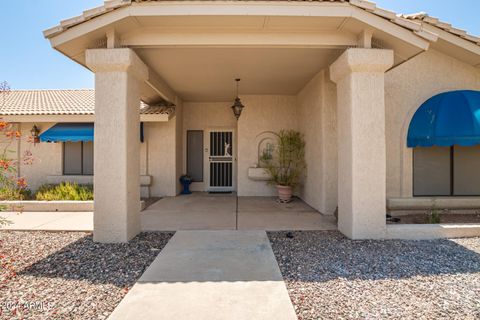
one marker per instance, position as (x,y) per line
(161,87)
(365,39)
(153,38)
(112,39)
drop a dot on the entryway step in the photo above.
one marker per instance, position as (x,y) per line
(210,275)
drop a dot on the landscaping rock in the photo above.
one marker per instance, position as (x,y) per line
(331,277)
(68,276)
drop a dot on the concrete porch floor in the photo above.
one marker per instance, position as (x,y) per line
(203,211)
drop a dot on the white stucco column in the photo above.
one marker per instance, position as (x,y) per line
(119,74)
(359,75)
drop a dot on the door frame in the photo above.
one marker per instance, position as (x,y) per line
(206,158)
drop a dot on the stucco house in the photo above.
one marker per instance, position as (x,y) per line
(349,75)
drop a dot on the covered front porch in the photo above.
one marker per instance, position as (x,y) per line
(359,109)
(319,69)
(204,211)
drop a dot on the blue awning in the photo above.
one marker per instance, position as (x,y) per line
(68,132)
(447,119)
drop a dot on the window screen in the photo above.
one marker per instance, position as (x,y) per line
(78,158)
(431,171)
(195,155)
(88,158)
(72,160)
(466,171)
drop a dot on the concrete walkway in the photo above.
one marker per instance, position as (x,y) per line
(203,211)
(199,211)
(49,221)
(210,275)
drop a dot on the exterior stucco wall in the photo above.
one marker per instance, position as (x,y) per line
(313,112)
(48,157)
(406,88)
(157,158)
(261,114)
(317,121)
(161,137)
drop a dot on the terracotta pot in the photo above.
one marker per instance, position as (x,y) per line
(284,193)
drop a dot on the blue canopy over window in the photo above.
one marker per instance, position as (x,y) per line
(447,119)
(68,132)
(74,132)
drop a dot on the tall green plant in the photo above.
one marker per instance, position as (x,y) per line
(287,165)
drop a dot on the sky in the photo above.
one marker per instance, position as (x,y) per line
(28,62)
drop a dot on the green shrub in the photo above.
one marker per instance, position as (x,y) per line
(286,162)
(433,217)
(9,193)
(65,191)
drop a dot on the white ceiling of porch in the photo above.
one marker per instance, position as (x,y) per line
(207,74)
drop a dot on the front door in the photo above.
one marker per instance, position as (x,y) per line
(220,166)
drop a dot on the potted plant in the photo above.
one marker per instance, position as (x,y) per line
(186,180)
(286,165)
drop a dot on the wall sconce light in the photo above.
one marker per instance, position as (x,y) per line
(237,105)
(35,132)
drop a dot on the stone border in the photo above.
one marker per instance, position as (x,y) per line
(52,206)
(432,231)
(426,203)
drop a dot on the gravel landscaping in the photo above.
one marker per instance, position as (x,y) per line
(66,275)
(331,277)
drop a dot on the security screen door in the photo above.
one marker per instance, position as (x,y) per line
(221,161)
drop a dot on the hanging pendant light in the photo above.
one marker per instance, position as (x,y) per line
(237,105)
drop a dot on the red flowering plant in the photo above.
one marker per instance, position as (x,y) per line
(12,185)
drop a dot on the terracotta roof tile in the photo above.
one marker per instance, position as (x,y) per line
(436,22)
(59,102)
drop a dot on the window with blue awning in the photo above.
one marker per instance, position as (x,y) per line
(445,136)
(73,132)
(448,119)
(68,132)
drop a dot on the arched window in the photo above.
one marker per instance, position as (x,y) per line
(445,136)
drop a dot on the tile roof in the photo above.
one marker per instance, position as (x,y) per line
(59,102)
(436,22)
(410,22)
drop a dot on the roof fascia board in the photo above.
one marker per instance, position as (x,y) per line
(211,9)
(455,40)
(37,118)
(390,28)
(90,26)
(238,9)
(228,8)
(50,118)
